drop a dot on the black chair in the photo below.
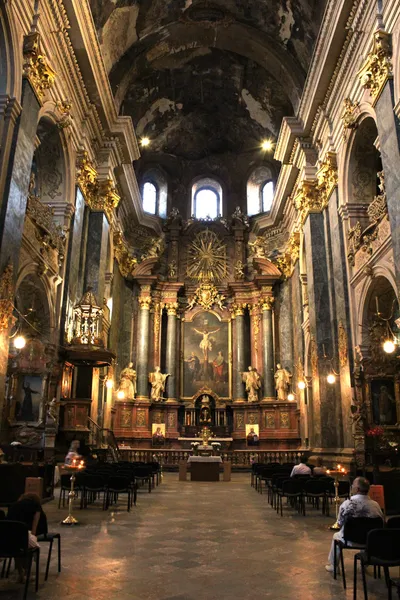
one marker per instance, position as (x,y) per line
(14,543)
(93,486)
(118,485)
(50,537)
(382,550)
(355,531)
(393,523)
(143,474)
(293,491)
(314,490)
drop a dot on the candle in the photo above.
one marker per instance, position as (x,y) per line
(328,471)
(338,467)
(377,304)
(74,461)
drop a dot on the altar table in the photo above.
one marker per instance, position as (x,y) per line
(204,468)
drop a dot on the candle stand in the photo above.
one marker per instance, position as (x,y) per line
(71,520)
(340,471)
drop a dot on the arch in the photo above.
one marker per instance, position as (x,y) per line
(10,55)
(255,45)
(207,198)
(383,287)
(345,161)
(33,291)
(259,178)
(156,177)
(49,161)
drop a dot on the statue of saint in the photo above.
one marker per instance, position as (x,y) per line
(282,381)
(253,383)
(52,410)
(157,380)
(127,382)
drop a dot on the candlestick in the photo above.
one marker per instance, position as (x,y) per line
(340,471)
(70,520)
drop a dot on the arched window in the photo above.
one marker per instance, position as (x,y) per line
(260,191)
(267,193)
(206,199)
(150,198)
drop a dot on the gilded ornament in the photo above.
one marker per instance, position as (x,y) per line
(171,420)
(270,420)
(206,258)
(172,269)
(172,307)
(126,418)
(349,116)
(293,246)
(64,108)
(86,177)
(257,248)
(237,309)
(239,420)
(42,215)
(141,418)
(206,296)
(125,258)
(7,298)
(378,67)
(284,264)
(144,302)
(155,247)
(157,326)
(307,200)
(36,67)
(284,420)
(239,270)
(343,345)
(267,303)
(314,357)
(327,178)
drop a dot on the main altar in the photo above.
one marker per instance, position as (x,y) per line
(206,343)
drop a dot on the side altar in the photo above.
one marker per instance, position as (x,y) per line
(206,347)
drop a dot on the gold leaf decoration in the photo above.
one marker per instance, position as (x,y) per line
(206,257)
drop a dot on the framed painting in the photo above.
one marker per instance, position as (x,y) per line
(383,401)
(206,348)
(158,434)
(252,434)
(29,398)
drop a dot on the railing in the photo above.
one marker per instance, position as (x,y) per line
(101,437)
(238,458)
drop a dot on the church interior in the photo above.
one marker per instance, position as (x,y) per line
(199,227)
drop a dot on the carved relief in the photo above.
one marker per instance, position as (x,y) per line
(141,417)
(239,420)
(314,357)
(126,417)
(252,418)
(378,67)
(157,417)
(343,345)
(284,420)
(7,298)
(36,67)
(171,420)
(270,420)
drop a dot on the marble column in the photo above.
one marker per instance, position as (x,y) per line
(96,254)
(143,344)
(268,349)
(171,351)
(239,356)
(389,146)
(325,428)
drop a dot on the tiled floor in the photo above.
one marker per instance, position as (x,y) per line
(193,541)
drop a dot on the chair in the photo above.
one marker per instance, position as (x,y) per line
(50,537)
(14,543)
(382,550)
(143,475)
(315,489)
(393,523)
(355,531)
(118,485)
(93,485)
(293,490)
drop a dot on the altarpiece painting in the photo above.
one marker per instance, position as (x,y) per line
(206,349)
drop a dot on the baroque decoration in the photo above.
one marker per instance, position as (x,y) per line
(36,67)
(378,67)
(206,257)
(206,296)
(7,298)
(363,238)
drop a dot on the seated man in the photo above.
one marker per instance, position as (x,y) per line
(319,469)
(359,505)
(301,468)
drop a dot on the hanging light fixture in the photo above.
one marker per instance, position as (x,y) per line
(109,383)
(301,385)
(389,346)
(290,397)
(19,342)
(331,378)
(120,394)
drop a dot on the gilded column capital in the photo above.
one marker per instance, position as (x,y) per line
(86,177)
(267,303)
(125,259)
(36,67)
(349,116)
(307,199)
(172,307)
(378,67)
(237,309)
(145,297)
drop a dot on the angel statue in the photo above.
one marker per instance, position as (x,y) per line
(127,382)
(253,383)
(282,381)
(52,410)
(157,380)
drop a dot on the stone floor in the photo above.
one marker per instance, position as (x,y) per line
(193,541)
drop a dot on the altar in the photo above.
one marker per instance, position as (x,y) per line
(204,468)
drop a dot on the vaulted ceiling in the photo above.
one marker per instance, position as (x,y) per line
(203,78)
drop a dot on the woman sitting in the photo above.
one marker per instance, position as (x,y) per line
(73,453)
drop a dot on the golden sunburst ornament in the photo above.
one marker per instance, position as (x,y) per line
(206,257)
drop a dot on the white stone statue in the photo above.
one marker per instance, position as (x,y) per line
(127,382)
(253,383)
(52,410)
(282,381)
(157,380)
